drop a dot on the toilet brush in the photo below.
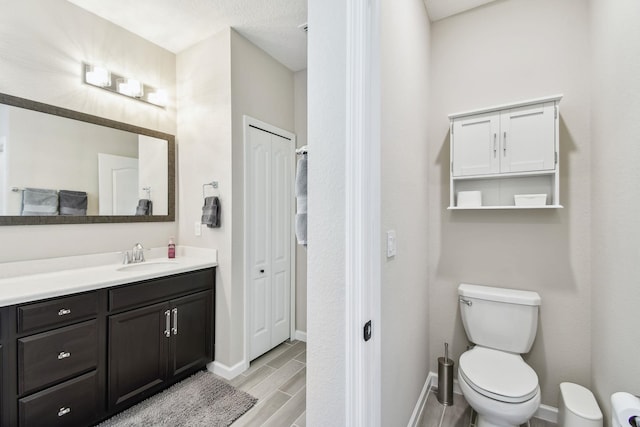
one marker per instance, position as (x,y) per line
(445,378)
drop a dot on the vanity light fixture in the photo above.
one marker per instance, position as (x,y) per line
(101,77)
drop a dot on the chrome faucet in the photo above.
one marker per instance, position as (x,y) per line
(137,254)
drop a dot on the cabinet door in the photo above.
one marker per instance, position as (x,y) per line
(191,331)
(528,138)
(475,145)
(138,351)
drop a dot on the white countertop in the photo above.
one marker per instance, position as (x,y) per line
(27,281)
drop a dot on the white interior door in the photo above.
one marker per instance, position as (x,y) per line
(269,187)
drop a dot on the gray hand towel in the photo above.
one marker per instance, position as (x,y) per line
(211,212)
(145,207)
(301,200)
(38,201)
(73,202)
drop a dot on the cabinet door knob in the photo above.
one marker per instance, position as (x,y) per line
(495,150)
(262,270)
(63,411)
(64,312)
(504,143)
(63,355)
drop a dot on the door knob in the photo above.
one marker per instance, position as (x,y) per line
(262,270)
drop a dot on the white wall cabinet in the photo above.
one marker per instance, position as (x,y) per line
(504,151)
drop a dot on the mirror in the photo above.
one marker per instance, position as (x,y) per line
(59,166)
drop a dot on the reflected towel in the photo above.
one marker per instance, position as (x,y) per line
(73,202)
(37,202)
(145,207)
(301,200)
(211,212)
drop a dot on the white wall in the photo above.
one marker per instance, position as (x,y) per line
(615,270)
(405,46)
(501,52)
(300,113)
(152,172)
(41,49)
(204,155)
(326,273)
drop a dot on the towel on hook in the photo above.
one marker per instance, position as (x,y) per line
(145,207)
(73,202)
(301,200)
(211,212)
(38,201)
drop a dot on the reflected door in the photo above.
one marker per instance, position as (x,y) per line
(117,185)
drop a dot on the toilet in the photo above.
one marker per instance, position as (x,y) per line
(494,379)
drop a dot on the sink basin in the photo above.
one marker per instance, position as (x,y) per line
(148,266)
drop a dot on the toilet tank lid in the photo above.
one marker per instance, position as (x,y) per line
(511,296)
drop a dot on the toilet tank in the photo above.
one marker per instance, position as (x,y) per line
(498,318)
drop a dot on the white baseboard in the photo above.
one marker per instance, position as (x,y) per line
(226,372)
(544,412)
(301,336)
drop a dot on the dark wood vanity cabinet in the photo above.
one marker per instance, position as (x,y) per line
(78,359)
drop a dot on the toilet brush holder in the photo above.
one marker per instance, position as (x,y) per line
(445,381)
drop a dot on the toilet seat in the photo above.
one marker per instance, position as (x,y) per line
(498,375)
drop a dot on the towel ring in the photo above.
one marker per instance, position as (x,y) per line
(213,184)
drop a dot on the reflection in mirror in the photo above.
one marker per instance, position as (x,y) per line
(60,166)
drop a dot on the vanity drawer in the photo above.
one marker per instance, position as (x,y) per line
(57,312)
(162,289)
(56,355)
(72,403)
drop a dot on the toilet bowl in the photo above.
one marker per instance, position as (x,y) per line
(494,379)
(500,386)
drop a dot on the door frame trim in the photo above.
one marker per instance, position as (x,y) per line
(248,121)
(362,206)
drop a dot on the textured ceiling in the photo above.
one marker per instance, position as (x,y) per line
(176,25)
(439,9)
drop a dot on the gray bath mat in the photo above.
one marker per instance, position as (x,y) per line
(200,400)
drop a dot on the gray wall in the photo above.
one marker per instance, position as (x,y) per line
(404,178)
(615,268)
(501,52)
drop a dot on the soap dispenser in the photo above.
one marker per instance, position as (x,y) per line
(171,248)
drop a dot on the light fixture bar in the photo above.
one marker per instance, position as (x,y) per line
(98,76)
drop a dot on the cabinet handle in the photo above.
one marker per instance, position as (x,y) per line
(167,323)
(504,143)
(63,411)
(495,148)
(64,311)
(175,321)
(63,355)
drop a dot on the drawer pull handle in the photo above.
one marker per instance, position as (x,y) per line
(63,355)
(63,411)
(64,312)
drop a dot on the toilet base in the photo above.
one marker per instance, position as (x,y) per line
(483,422)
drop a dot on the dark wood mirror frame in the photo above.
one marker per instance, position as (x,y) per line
(96,219)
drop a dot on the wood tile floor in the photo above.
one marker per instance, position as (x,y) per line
(278,379)
(459,414)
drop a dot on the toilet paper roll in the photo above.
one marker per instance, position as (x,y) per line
(624,406)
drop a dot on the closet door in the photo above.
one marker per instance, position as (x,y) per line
(269,211)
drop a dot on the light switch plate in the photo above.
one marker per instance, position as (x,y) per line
(197,228)
(391,243)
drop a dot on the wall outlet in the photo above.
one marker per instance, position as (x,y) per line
(391,243)
(197,228)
